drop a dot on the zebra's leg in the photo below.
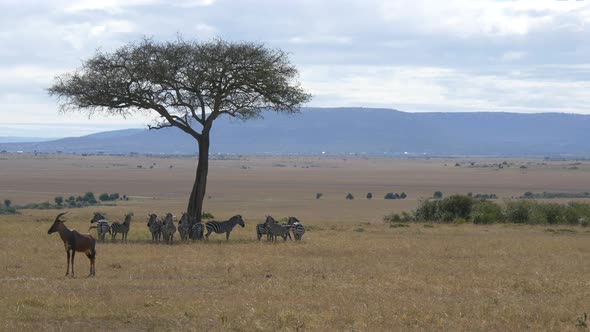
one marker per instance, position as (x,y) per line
(258,235)
(207,235)
(226,236)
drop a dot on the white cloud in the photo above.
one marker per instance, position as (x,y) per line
(466,18)
(433,88)
(512,56)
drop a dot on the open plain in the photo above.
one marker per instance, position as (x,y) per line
(352,271)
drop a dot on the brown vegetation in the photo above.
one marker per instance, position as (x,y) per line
(450,277)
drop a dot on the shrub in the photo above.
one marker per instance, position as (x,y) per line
(7,203)
(437,195)
(389,196)
(89,198)
(369,195)
(318,195)
(104,197)
(456,206)
(485,212)
(394,217)
(517,212)
(428,211)
(403,195)
(349,196)
(114,197)
(59,200)
(207,215)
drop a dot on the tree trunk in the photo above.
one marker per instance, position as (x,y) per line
(195,203)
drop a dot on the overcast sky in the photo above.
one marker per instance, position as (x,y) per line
(414,55)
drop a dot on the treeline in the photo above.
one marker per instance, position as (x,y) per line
(7,208)
(462,209)
(545,194)
(59,202)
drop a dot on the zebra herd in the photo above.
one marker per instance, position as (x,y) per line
(273,229)
(165,229)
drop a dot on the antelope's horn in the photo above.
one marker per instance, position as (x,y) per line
(59,216)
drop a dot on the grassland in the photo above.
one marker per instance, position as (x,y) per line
(351,271)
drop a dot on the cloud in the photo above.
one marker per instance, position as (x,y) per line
(443,89)
(415,55)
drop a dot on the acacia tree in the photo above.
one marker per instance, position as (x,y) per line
(188,85)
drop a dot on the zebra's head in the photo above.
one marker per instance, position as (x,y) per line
(292,221)
(239,220)
(269,221)
(152,218)
(97,217)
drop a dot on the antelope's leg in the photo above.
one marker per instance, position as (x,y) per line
(68,258)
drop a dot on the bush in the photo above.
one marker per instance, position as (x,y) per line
(207,215)
(437,195)
(369,196)
(7,203)
(318,195)
(104,197)
(349,196)
(389,196)
(89,198)
(59,200)
(403,195)
(485,212)
(456,206)
(517,212)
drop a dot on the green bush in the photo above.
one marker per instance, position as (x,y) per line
(485,212)
(104,197)
(89,198)
(437,195)
(517,212)
(456,206)
(207,215)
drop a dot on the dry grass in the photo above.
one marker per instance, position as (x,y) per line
(339,278)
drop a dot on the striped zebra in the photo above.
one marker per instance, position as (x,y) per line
(123,228)
(184,227)
(296,227)
(168,228)
(261,229)
(155,227)
(102,226)
(223,226)
(275,229)
(197,231)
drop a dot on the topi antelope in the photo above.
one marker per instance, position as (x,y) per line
(74,241)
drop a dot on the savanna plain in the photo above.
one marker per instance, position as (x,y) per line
(351,271)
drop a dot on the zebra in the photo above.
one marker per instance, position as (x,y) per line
(275,229)
(184,227)
(223,226)
(296,227)
(155,227)
(123,228)
(197,231)
(102,226)
(168,228)
(261,229)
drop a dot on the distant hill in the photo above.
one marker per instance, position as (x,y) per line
(354,130)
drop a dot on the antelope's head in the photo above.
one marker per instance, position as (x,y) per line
(56,224)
